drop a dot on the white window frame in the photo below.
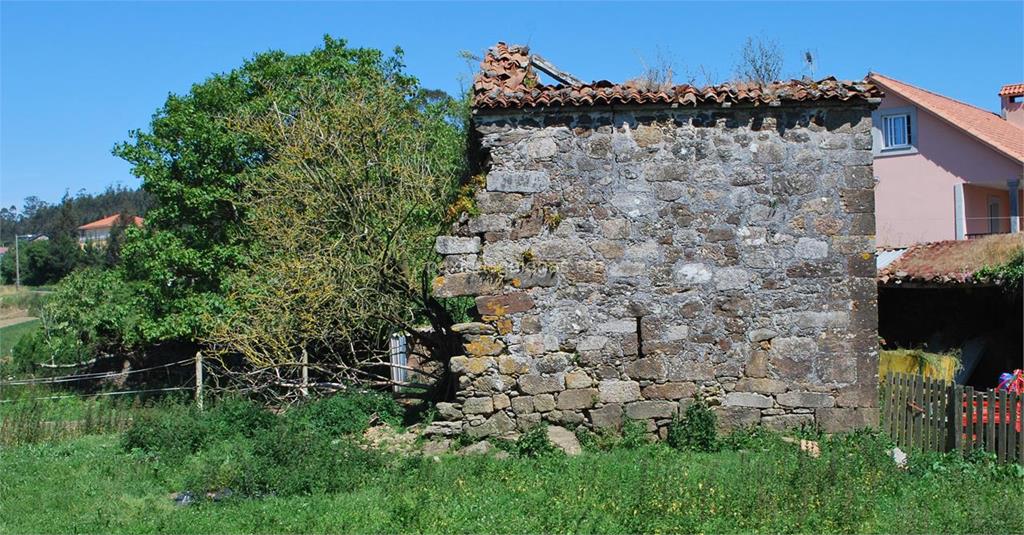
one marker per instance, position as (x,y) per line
(879,119)
(891,129)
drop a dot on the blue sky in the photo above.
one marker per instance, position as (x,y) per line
(76,77)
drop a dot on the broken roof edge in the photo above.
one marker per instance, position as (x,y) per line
(508,80)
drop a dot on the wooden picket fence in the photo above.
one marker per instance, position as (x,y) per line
(920,413)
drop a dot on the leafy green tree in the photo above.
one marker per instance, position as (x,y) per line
(357,176)
(194,165)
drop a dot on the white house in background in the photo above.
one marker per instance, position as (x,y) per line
(98,232)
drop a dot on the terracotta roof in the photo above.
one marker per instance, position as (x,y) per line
(1012,90)
(952,261)
(987,127)
(109,222)
(508,80)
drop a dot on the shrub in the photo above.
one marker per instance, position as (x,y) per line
(297,458)
(173,432)
(28,351)
(634,435)
(695,431)
(347,413)
(235,415)
(533,443)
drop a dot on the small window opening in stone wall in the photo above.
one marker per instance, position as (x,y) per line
(639,338)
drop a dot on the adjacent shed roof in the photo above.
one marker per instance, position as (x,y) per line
(507,79)
(985,126)
(109,222)
(1012,90)
(952,261)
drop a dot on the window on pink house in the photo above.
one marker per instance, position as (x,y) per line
(896,130)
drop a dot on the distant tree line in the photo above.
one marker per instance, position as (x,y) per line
(39,217)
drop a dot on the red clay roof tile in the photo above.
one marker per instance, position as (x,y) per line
(1012,90)
(508,80)
(108,222)
(951,261)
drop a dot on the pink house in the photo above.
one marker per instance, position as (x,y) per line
(946,170)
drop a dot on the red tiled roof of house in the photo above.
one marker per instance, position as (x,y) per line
(952,261)
(507,80)
(108,222)
(1012,90)
(983,125)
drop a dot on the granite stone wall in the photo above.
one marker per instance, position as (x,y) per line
(624,261)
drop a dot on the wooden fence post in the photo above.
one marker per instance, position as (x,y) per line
(199,380)
(305,373)
(955,423)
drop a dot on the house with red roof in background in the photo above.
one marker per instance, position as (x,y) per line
(98,232)
(946,170)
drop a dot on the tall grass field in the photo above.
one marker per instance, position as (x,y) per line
(308,470)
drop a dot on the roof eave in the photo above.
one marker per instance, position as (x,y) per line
(1002,152)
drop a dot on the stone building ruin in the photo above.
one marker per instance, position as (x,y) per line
(635,247)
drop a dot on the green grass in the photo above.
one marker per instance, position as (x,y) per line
(29,300)
(11,334)
(91,484)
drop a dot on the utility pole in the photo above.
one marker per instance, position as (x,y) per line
(17,262)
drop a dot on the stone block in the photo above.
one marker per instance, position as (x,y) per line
(509,365)
(448,411)
(761,335)
(859,177)
(747,399)
(858,201)
(837,420)
(500,305)
(478,406)
(472,328)
(645,410)
(482,346)
(731,279)
(806,399)
(671,391)
(539,384)
(554,362)
(497,425)
(613,391)
(517,181)
(783,422)
(757,366)
(469,283)
(578,379)
(645,368)
(532,278)
(489,223)
(501,401)
(683,368)
(451,245)
(583,398)
(760,386)
(607,417)
(732,418)
(592,343)
(478,365)
(808,248)
(522,404)
(544,403)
